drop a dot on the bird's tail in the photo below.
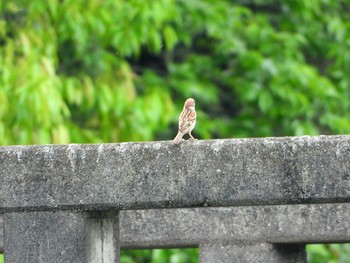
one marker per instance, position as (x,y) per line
(178,138)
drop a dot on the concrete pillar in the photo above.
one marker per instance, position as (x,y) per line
(252,253)
(103,238)
(62,236)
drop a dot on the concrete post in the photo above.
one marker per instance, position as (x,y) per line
(62,236)
(103,238)
(252,253)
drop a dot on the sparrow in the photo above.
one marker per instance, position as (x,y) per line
(187,120)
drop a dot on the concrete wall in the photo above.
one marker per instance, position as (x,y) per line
(61,201)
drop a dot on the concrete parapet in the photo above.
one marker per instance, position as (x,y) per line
(160,174)
(62,201)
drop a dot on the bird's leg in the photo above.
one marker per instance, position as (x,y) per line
(191,137)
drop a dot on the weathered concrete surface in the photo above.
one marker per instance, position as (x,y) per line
(43,237)
(319,223)
(251,253)
(160,174)
(1,234)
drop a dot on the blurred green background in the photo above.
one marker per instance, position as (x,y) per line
(119,70)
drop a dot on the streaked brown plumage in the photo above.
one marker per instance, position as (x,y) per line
(187,120)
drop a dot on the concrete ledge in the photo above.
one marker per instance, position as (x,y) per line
(159,174)
(319,223)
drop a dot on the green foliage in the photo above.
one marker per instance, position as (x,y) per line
(333,253)
(65,73)
(120,70)
(108,71)
(160,256)
(1,258)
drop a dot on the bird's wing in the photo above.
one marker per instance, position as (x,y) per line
(186,119)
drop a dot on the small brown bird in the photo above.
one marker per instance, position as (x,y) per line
(187,120)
